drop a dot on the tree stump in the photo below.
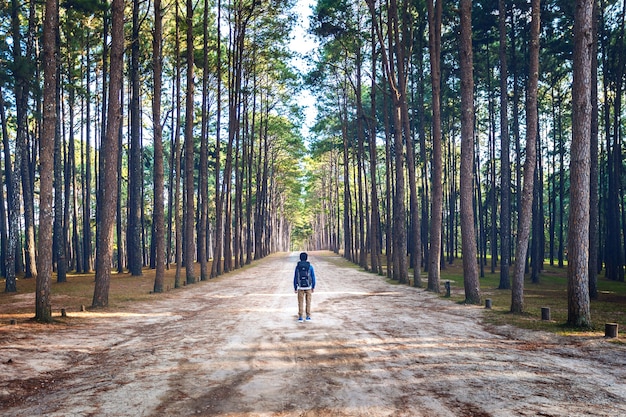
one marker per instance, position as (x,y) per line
(13,322)
(488,303)
(545,313)
(610,330)
(83,308)
(63,313)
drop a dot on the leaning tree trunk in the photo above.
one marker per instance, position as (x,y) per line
(468,235)
(517,295)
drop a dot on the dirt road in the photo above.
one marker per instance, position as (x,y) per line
(233,347)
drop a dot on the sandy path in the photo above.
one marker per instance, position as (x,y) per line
(233,347)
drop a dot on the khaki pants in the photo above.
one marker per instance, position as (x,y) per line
(302,295)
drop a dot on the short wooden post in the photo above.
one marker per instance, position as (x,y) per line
(545,313)
(488,303)
(448,289)
(63,313)
(13,322)
(83,308)
(610,330)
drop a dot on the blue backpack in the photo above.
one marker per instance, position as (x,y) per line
(304,277)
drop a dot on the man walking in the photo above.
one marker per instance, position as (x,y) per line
(304,285)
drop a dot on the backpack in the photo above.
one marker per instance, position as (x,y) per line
(304,278)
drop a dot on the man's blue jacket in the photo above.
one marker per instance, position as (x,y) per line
(295,279)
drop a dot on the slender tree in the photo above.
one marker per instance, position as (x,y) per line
(189,248)
(43,309)
(135,166)
(434,47)
(468,236)
(216,267)
(505,157)
(159,214)
(594,212)
(204,152)
(525,216)
(108,180)
(578,307)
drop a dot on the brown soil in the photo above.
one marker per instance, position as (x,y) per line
(233,347)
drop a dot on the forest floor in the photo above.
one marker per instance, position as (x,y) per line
(233,347)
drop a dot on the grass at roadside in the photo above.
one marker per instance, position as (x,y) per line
(551,292)
(78,292)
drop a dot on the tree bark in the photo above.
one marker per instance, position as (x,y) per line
(525,217)
(135,166)
(189,248)
(578,306)
(505,158)
(110,154)
(468,236)
(204,155)
(594,210)
(434,40)
(43,309)
(159,181)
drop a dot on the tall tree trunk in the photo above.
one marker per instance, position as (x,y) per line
(525,217)
(87,190)
(43,309)
(468,235)
(61,211)
(176,152)
(347,202)
(594,210)
(434,47)
(374,238)
(203,174)
(110,154)
(400,271)
(614,245)
(216,268)
(505,157)
(135,166)
(415,238)
(159,183)
(578,305)
(189,248)
(21,87)
(13,173)
(360,158)
(24,142)
(562,151)
(4,232)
